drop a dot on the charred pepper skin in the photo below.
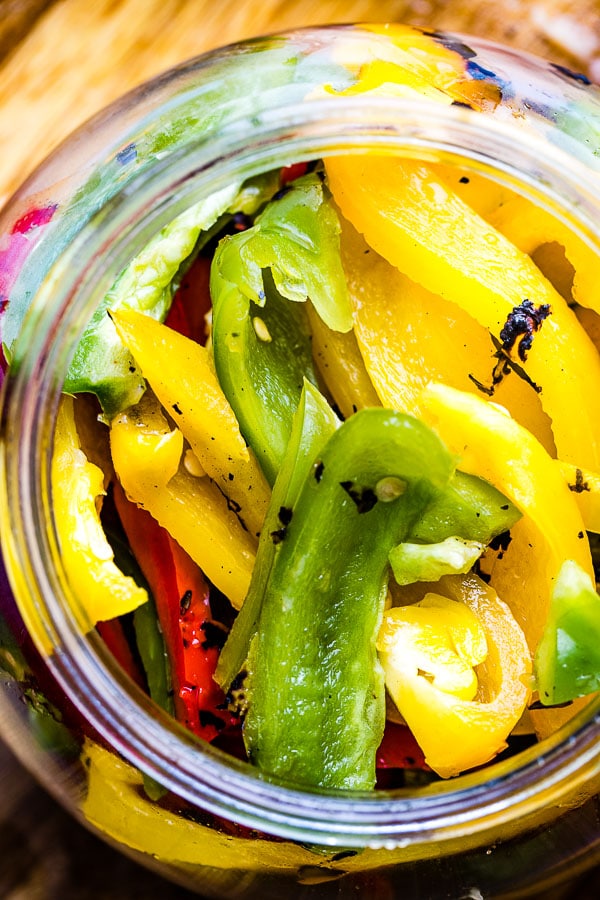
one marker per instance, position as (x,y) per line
(323,604)
(313,424)
(262,356)
(261,341)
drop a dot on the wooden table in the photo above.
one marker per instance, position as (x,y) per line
(60,62)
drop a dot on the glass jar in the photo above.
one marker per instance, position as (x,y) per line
(70,714)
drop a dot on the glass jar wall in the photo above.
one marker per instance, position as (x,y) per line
(90,735)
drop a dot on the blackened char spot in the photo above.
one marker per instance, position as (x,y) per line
(285,515)
(343,854)
(278,535)
(209,718)
(185,603)
(364,498)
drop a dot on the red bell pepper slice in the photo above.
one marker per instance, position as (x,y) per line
(399,749)
(191,302)
(181,595)
(290,173)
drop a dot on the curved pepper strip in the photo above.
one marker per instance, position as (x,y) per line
(192,509)
(493,446)
(181,375)
(468,507)
(313,424)
(101,589)
(404,333)
(296,237)
(529,226)
(261,355)
(585,487)
(182,601)
(419,225)
(482,193)
(101,363)
(341,366)
(324,599)
(460,691)
(567,660)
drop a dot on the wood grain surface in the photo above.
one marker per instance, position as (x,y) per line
(60,62)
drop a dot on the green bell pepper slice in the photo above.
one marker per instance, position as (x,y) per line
(469,508)
(262,357)
(313,424)
(567,660)
(324,599)
(102,365)
(296,237)
(453,531)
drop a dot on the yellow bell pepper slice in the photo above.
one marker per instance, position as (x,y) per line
(529,226)
(419,225)
(490,444)
(585,487)
(192,509)
(180,373)
(458,669)
(482,193)
(101,590)
(405,334)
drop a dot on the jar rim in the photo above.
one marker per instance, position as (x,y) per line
(132,725)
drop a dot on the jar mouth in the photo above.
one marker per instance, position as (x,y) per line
(117,710)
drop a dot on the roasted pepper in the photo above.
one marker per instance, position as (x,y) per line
(296,237)
(313,424)
(182,600)
(529,227)
(410,336)
(181,375)
(419,225)
(585,487)
(341,366)
(551,532)
(261,355)
(567,660)
(458,668)
(146,455)
(326,589)
(102,364)
(102,591)
(149,638)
